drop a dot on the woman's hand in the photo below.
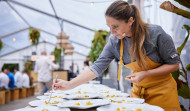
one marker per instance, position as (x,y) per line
(136,77)
(62,85)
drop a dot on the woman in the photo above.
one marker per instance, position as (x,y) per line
(151,51)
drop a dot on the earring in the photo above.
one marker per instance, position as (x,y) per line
(123,34)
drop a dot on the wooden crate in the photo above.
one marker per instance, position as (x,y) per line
(61,75)
(23,93)
(2,96)
(28,92)
(14,94)
(34,75)
(32,89)
(7,96)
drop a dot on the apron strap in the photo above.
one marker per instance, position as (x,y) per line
(121,60)
(140,91)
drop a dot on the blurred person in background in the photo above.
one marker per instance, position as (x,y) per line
(85,65)
(11,78)
(88,59)
(70,73)
(4,80)
(43,68)
(144,48)
(18,78)
(26,80)
(30,78)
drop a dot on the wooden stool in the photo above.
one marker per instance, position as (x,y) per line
(23,93)
(2,96)
(14,94)
(7,96)
(28,92)
(32,88)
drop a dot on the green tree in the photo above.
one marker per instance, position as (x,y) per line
(1,44)
(183,88)
(34,36)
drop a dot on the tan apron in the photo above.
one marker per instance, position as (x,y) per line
(158,90)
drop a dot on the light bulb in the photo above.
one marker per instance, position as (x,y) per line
(14,39)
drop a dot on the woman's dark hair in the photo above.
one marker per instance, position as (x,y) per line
(86,62)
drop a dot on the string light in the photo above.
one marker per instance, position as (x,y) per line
(80,51)
(46,40)
(14,39)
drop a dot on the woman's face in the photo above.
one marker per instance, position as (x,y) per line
(119,28)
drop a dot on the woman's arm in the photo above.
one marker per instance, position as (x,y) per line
(99,66)
(162,70)
(84,77)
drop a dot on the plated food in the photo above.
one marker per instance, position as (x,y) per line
(129,107)
(127,100)
(53,101)
(84,104)
(42,108)
(47,97)
(114,95)
(83,96)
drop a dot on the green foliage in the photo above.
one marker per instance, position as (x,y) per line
(11,67)
(176,74)
(179,49)
(188,67)
(185,3)
(28,66)
(167,5)
(57,54)
(184,91)
(34,36)
(182,13)
(183,88)
(1,44)
(97,45)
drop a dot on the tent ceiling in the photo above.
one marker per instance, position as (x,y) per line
(79,21)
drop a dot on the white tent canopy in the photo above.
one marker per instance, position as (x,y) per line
(78,19)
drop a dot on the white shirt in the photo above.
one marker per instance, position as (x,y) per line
(4,80)
(18,79)
(85,68)
(43,68)
(26,81)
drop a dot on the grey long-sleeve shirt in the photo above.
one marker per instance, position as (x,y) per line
(163,51)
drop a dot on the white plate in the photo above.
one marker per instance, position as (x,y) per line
(114,95)
(42,97)
(47,93)
(78,92)
(42,102)
(49,108)
(109,91)
(127,100)
(130,107)
(95,103)
(54,92)
(54,95)
(83,96)
(24,109)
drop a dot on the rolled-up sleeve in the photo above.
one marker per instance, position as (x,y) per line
(104,59)
(166,48)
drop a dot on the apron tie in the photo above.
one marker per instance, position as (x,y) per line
(121,60)
(141,91)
